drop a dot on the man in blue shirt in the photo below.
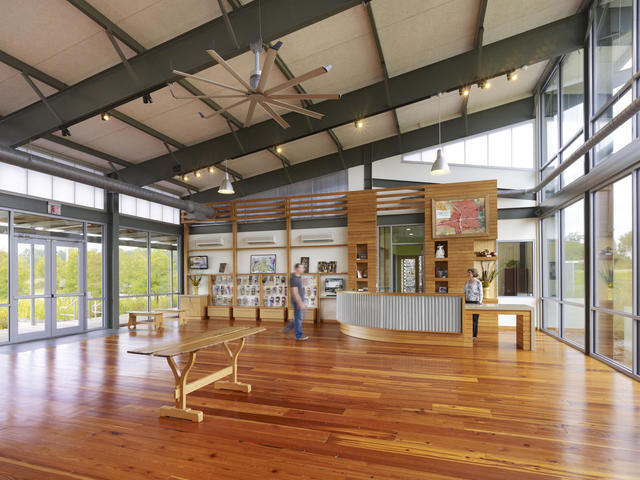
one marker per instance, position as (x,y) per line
(297,301)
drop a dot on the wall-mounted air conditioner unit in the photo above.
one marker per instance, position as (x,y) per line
(209,242)
(316,237)
(261,239)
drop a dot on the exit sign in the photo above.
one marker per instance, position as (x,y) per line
(54,208)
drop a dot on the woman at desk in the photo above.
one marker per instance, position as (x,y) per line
(473,294)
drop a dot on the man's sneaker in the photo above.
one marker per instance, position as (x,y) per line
(302,338)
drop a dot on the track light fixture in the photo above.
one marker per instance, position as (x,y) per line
(464,91)
(359,123)
(512,76)
(212,170)
(484,84)
(65,132)
(146,98)
(185,177)
(198,174)
(278,149)
(105,117)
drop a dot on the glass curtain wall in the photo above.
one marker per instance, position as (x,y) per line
(148,271)
(614,261)
(401,258)
(4,276)
(562,120)
(95,267)
(563,284)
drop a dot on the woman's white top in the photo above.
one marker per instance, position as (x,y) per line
(473,290)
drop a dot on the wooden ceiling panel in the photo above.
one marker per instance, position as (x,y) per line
(375,128)
(344,41)
(505,18)
(15,92)
(152,22)
(178,119)
(415,33)
(307,148)
(425,113)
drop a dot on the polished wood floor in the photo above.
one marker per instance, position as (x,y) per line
(333,407)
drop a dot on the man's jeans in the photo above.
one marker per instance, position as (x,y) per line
(297,323)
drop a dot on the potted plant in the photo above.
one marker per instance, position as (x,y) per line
(487,275)
(195,283)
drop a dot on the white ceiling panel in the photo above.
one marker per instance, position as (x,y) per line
(375,128)
(415,33)
(310,147)
(255,163)
(15,92)
(424,113)
(503,91)
(56,38)
(505,18)
(152,22)
(178,119)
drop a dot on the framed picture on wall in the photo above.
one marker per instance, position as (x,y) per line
(223,267)
(263,263)
(460,217)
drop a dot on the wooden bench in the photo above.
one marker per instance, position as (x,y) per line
(179,312)
(191,346)
(154,318)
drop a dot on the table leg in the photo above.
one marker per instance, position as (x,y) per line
(233,384)
(132,321)
(182,319)
(158,321)
(180,396)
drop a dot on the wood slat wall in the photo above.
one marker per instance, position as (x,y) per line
(362,229)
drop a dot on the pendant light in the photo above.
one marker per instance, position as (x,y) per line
(440,166)
(226,187)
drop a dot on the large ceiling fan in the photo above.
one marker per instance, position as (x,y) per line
(254,91)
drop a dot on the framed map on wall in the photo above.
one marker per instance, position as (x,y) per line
(454,217)
(263,263)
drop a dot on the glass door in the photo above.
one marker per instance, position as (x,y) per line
(67,287)
(32,290)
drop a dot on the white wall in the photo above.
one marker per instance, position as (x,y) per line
(356,178)
(393,168)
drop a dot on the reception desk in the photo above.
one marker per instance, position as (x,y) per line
(426,319)
(404,318)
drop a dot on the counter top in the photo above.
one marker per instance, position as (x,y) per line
(498,306)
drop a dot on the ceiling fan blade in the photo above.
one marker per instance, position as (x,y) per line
(189,97)
(266,68)
(294,81)
(213,82)
(252,108)
(222,110)
(274,115)
(294,108)
(229,69)
(306,96)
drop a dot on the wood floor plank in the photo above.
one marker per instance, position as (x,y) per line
(333,407)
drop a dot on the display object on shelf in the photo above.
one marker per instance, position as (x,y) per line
(305,263)
(310,286)
(263,263)
(222,290)
(486,253)
(328,267)
(248,291)
(361,252)
(274,291)
(223,267)
(440,253)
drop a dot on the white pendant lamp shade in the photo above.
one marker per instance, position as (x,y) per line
(440,166)
(226,187)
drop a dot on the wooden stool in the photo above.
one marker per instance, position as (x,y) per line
(155,318)
(180,312)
